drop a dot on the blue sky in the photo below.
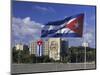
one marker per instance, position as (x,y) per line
(29,17)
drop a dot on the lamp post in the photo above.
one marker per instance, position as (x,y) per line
(85,45)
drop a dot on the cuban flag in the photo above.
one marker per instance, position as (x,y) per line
(39,47)
(69,27)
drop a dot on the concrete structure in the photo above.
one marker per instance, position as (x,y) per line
(39,51)
(33,47)
(85,44)
(64,49)
(47,67)
(46,48)
(64,46)
(54,48)
(19,46)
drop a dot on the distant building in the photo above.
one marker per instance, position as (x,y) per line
(46,48)
(58,48)
(64,49)
(19,46)
(32,47)
(85,44)
(25,47)
(36,48)
(39,50)
(54,48)
(64,46)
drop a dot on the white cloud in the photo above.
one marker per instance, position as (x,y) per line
(46,9)
(26,20)
(25,28)
(41,8)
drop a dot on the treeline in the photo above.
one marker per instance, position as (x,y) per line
(77,54)
(23,56)
(73,55)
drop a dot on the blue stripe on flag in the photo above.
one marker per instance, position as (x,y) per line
(62,21)
(48,32)
(64,35)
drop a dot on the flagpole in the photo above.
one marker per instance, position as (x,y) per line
(85,45)
(85,58)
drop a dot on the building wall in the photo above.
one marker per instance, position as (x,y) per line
(19,47)
(64,46)
(46,48)
(32,47)
(64,49)
(54,48)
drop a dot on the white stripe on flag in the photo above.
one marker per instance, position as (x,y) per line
(71,20)
(40,50)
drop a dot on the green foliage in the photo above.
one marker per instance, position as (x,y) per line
(21,56)
(77,54)
(46,59)
(73,55)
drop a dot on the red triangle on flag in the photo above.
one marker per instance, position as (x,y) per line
(76,25)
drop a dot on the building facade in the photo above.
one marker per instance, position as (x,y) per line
(45,48)
(32,47)
(64,46)
(19,46)
(64,49)
(54,48)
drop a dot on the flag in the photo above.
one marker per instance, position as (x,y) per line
(69,27)
(39,47)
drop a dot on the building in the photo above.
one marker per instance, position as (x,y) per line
(54,48)
(19,46)
(64,49)
(39,50)
(64,46)
(45,48)
(85,44)
(32,47)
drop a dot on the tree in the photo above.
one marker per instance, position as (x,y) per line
(46,59)
(14,55)
(25,49)
(77,54)
(33,58)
